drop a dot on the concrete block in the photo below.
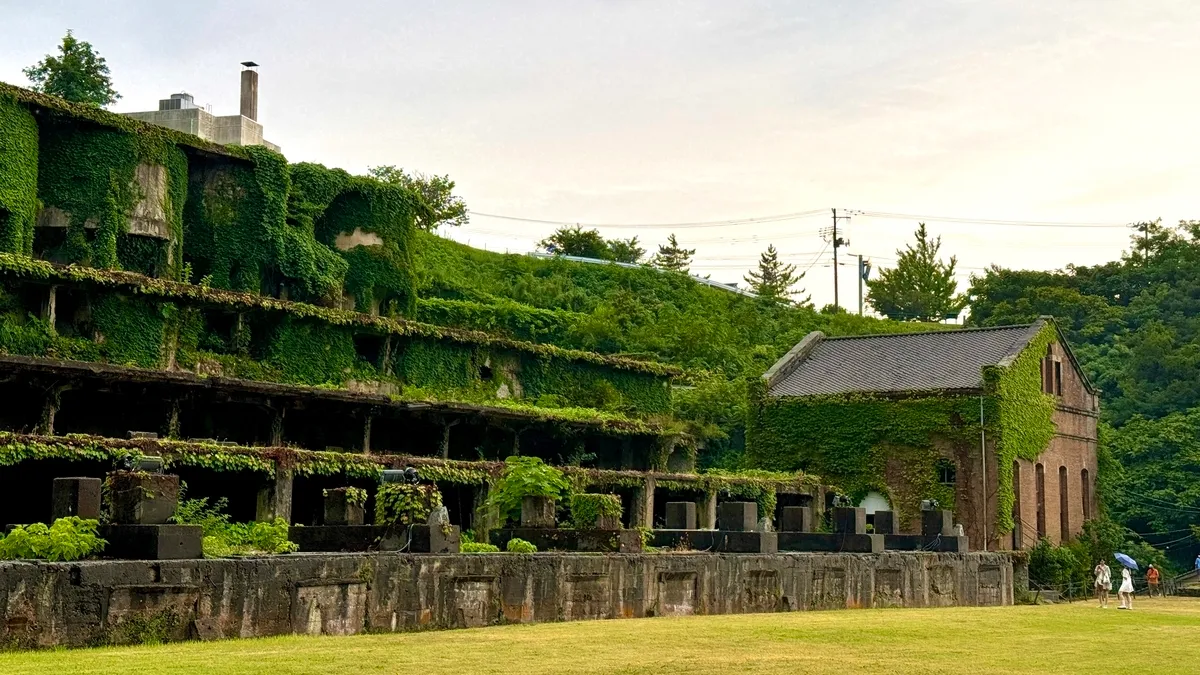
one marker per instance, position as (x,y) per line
(537,512)
(825,542)
(849,520)
(796,519)
(885,522)
(554,539)
(920,542)
(340,511)
(717,541)
(681,515)
(75,497)
(937,522)
(153,542)
(737,516)
(142,498)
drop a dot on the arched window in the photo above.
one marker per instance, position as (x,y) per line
(1018,535)
(1040,479)
(1064,505)
(1085,490)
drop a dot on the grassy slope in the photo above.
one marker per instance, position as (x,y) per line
(1160,636)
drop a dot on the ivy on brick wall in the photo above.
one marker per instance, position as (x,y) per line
(18,176)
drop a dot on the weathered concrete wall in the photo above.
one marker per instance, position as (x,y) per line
(76,604)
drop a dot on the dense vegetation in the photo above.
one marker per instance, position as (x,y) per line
(1135,325)
(721,338)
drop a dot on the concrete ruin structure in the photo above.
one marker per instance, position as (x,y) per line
(999,424)
(180,112)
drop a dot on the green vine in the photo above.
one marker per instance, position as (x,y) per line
(587,508)
(405,504)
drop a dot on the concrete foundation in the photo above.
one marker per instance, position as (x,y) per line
(87,603)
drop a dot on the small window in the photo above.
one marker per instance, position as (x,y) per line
(947,472)
(1058,378)
(369,348)
(485,373)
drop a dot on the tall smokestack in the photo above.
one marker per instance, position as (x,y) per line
(250,90)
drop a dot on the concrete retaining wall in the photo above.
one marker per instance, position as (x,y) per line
(76,604)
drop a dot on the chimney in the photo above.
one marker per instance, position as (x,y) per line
(250,90)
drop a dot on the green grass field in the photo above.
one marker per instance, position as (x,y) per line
(1159,636)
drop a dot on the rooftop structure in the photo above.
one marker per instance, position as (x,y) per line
(180,112)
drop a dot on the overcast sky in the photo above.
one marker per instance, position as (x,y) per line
(643,111)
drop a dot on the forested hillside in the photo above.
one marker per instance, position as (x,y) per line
(1135,325)
(720,338)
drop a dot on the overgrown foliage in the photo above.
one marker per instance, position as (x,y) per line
(576,241)
(64,540)
(442,206)
(587,507)
(223,538)
(405,504)
(525,477)
(518,545)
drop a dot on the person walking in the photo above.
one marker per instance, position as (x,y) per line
(1198,561)
(1103,583)
(1125,592)
(1152,581)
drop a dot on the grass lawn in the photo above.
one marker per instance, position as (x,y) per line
(1160,636)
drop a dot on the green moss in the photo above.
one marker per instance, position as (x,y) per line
(18,176)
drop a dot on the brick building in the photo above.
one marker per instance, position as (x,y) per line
(940,415)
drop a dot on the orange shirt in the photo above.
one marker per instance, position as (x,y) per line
(1152,575)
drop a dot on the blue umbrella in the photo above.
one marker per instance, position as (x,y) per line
(1126,560)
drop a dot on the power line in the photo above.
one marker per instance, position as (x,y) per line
(704,223)
(992,221)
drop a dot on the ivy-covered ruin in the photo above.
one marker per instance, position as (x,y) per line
(243,316)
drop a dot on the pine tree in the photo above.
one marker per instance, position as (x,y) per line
(920,287)
(77,74)
(774,280)
(673,257)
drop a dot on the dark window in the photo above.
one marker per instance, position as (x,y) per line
(1085,491)
(947,472)
(1064,505)
(369,348)
(1018,535)
(485,373)
(1058,378)
(1040,487)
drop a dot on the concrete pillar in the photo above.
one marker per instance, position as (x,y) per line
(484,519)
(277,427)
(172,426)
(708,512)
(50,406)
(275,499)
(446,427)
(643,505)
(49,309)
(366,442)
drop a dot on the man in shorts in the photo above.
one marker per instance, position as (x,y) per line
(1152,581)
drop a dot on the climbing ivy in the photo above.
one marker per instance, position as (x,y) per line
(1025,417)
(18,176)
(587,507)
(404,504)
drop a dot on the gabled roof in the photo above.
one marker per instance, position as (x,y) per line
(905,362)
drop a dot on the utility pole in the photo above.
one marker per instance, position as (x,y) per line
(864,271)
(836,241)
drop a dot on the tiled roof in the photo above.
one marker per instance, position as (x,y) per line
(935,360)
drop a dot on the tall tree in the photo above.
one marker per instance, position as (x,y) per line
(672,256)
(625,250)
(445,207)
(589,244)
(774,279)
(920,287)
(77,74)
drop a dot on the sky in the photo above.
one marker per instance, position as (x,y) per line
(990,121)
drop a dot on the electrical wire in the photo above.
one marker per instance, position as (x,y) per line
(683,225)
(991,221)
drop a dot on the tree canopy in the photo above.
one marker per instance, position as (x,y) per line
(920,287)
(77,74)
(672,256)
(445,207)
(583,243)
(775,280)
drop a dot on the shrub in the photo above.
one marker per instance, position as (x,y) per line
(517,545)
(223,539)
(405,504)
(477,547)
(587,507)
(525,477)
(67,539)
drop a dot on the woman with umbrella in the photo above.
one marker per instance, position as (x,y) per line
(1125,593)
